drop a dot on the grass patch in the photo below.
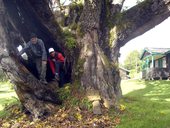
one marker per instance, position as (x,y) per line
(7,98)
(147,104)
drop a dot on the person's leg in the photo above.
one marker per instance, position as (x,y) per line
(41,68)
(57,70)
(57,66)
(61,74)
(43,71)
(38,66)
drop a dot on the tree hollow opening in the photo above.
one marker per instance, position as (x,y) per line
(26,21)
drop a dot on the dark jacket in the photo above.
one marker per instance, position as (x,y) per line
(37,50)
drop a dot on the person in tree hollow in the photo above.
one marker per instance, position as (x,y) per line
(56,62)
(38,55)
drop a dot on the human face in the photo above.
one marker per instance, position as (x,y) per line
(34,40)
(52,54)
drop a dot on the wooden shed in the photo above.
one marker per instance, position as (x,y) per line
(124,73)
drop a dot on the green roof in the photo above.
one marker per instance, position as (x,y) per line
(155,51)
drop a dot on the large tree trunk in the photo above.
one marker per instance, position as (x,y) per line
(100,75)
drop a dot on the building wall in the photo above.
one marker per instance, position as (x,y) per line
(160,70)
(168,61)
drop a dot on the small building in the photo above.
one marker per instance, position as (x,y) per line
(156,63)
(124,73)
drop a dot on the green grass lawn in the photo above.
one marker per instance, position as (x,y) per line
(147,104)
(7,97)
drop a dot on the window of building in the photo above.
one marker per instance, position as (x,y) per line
(164,62)
(156,63)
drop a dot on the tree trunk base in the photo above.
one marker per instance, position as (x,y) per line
(97,107)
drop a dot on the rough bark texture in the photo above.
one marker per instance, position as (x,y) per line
(98,72)
(37,98)
(104,29)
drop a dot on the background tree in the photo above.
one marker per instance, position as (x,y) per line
(133,63)
(100,29)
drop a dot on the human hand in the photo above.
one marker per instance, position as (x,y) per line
(44,62)
(18,54)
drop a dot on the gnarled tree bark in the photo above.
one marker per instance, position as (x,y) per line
(37,99)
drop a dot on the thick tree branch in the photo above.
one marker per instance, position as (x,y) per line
(115,6)
(91,13)
(142,18)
